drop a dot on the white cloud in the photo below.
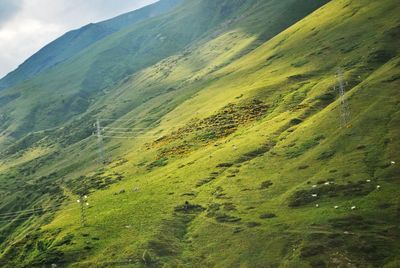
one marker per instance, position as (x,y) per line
(28,25)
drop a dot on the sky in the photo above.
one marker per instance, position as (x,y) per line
(28,25)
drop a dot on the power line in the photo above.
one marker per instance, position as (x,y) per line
(33,212)
(36,209)
(30,216)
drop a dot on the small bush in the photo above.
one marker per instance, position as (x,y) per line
(222,217)
(204,181)
(266,184)
(158,163)
(229,207)
(312,250)
(302,197)
(256,153)
(326,155)
(267,216)
(304,167)
(300,63)
(253,224)
(188,208)
(224,165)
(237,230)
(295,121)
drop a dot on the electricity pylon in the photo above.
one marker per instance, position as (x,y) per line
(100,144)
(344,106)
(83,204)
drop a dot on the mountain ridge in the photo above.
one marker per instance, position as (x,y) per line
(75,41)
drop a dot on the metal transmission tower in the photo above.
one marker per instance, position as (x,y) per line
(83,204)
(344,106)
(102,158)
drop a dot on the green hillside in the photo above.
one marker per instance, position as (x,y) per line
(75,41)
(224,142)
(68,90)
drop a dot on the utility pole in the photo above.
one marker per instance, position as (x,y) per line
(100,143)
(344,107)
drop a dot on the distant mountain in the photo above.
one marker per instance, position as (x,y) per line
(71,43)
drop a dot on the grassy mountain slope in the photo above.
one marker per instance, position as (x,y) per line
(68,90)
(242,161)
(75,41)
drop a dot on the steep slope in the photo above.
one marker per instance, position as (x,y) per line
(75,41)
(69,89)
(225,156)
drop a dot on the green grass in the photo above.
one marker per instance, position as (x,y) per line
(242,199)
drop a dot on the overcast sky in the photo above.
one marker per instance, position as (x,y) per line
(28,25)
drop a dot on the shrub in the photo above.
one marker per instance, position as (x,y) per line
(296,121)
(266,184)
(205,181)
(312,250)
(267,216)
(158,163)
(300,63)
(326,155)
(304,167)
(224,165)
(188,208)
(253,224)
(222,217)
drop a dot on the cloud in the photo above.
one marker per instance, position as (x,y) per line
(8,8)
(28,25)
